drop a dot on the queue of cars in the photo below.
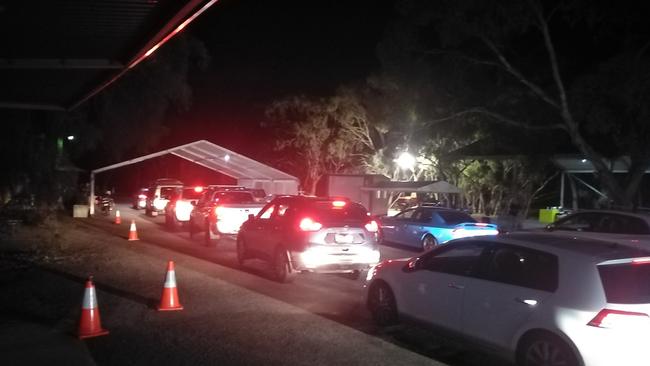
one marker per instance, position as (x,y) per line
(574,293)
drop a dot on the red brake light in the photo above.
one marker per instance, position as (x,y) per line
(608,318)
(198,189)
(308,224)
(338,203)
(372,226)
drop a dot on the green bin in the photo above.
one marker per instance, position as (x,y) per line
(547,215)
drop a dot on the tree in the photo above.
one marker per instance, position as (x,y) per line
(577,67)
(321,136)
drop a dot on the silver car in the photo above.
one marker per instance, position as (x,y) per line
(532,298)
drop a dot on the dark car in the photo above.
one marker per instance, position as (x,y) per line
(310,234)
(629,228)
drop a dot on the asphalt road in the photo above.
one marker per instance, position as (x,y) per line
(331,296)
(232,315)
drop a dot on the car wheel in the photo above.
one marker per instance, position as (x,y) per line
(209,237)
(282,271)
(241,251)
(354,275)
(169,220)
(545,350)
(428,242)
(382,306)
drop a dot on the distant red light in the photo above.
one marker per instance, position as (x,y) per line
(198,189)
(338,203)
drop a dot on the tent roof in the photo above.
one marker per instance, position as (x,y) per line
(439,186)
(216,158)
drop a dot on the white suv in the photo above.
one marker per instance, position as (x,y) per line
(536,299)
(159,194)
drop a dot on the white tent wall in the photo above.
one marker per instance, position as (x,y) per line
(271,186)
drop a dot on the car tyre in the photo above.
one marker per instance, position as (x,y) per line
(170,220)
(209,237)
(545,350)
(429,242)
(281,267)
(382,305)
(241,251)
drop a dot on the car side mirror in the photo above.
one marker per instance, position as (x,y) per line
(251,217)
(413,265)
(193,203)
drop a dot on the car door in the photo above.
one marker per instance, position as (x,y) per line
(433,293)
(257,231)
(510,283)
(395,228)
(418,225)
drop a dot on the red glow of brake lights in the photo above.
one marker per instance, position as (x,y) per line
(198,189)
(308,224)
(372,226)
(608,318)
(338,203)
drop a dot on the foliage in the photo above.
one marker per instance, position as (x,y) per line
(321,135)
(40,165)
(576,67)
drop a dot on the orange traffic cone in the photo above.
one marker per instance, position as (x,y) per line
(169,299)
(118,218)
(133,233)
(90,324)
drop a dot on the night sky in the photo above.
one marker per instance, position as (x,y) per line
(263,51)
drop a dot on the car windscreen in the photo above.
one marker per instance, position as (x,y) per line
(626,283)
(455,217)
(328,212)
(233,197)
(191,194)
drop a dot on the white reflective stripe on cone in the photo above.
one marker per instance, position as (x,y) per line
(90,300)
(170,279)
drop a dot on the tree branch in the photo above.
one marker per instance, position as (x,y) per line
(499,118)
(537,90)
(463,56)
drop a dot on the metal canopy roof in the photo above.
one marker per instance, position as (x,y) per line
(216,158)
(55,54)
(439,186)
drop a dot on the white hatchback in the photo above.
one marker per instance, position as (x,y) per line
(535,299)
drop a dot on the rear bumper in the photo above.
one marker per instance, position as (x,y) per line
(322,261)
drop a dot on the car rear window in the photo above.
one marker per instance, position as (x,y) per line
(234,197)
(454,217)
(626,283)
(326,211)
(191,194)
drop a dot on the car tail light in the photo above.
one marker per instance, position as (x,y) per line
(198,189)
(308,224)
(372,226)
(608,318)
(142,196)
(338,204)
(218,211)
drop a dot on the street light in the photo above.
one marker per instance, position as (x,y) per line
(406,161)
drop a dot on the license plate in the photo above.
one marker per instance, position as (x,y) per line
(343,238)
